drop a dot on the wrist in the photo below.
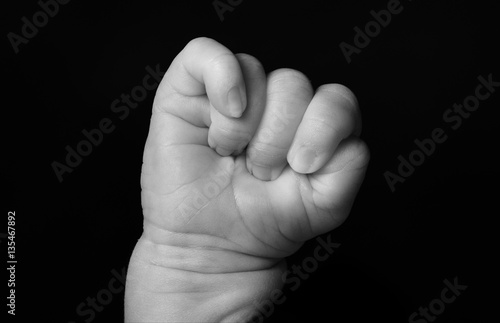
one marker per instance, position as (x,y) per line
(179,284)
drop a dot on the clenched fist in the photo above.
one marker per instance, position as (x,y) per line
(239,170)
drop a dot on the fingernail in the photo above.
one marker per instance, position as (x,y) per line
(303,160)
(222,151)
(262,173)
(265,173)
(234,102)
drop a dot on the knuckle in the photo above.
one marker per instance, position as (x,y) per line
(198,42)
(342,107)
(323,124)
(221,61)
(341,90)
(363,157)
(288,76)
(250,62)
(359,153)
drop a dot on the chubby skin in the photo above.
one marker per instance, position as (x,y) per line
(239,170)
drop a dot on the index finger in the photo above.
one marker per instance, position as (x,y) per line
(205,66)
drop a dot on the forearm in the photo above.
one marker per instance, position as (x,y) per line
(156,293)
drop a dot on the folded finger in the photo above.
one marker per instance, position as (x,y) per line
(332,116)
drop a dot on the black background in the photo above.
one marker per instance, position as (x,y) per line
(396,247)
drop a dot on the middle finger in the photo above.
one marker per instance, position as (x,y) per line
(288,95)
